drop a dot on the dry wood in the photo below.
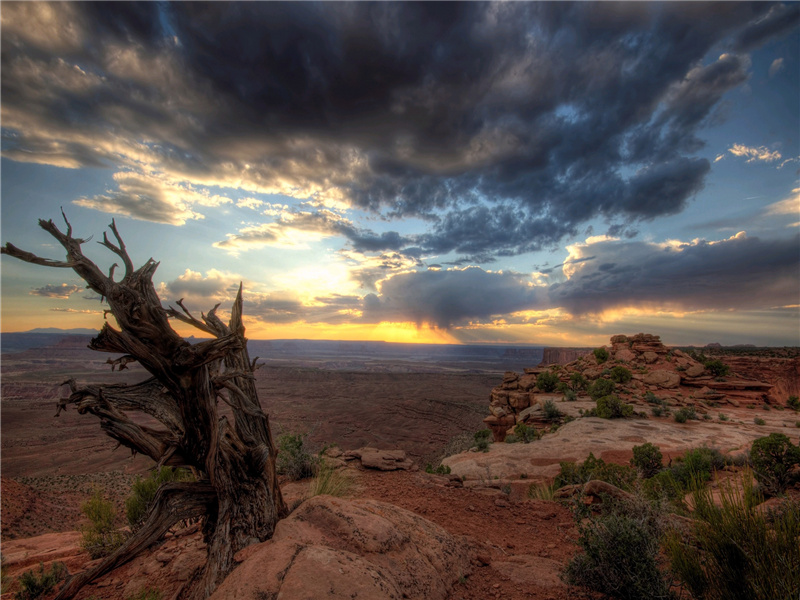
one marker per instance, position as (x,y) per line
(237,492)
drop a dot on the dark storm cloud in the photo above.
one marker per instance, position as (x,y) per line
(62,291)
(446,298)
(460,113)
(737,273)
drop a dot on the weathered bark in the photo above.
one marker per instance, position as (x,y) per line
(237,493)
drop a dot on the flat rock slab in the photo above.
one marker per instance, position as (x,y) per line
(609,439)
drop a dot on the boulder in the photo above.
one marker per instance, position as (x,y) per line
(663,379)
(529,412)
(650,357)
(519,400)
(624,354)
(383,460)
(335,549)
(695,370)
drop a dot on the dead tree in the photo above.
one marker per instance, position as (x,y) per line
(237,493)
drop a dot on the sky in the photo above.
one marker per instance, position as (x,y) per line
(511,173)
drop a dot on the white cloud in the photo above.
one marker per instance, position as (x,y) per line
(776,67)
(760,153)
(788,206)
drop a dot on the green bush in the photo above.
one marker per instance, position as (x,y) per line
(578,382)
(482,439)
(723,417)
(619,557)
(736,552)
(651,398)
(547,381)
(793,402)
(663,487)
(697,465)
(659,411)
(647,460)
(717,368)
(611,407)
(759,421)
(773,458)
(33,585)
(525,434)
(595,468)
(100,537)
(601,354)
(600,388)
(570,395)
(684,414)
(620,374)
(143,491)
(440,470)
(550,411)
(294,460)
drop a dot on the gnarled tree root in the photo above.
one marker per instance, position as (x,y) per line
(173,502)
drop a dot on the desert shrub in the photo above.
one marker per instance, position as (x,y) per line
(620,374)
(143,491)
(294,460)
(482,439)
(525,434)
(773,458)
(619,555)
(717,367)
(550,411)
(651,398)
(759,421)
(647,460)
(34,584)
(723,417)
(577,381)
(547,381)
(337,482)
(570,395)
(600,388)
(663,487)
(793,402)
(611,407)
(542,491)
(684,414)
(601,354)
(735,552)
(429,468)
(659,411)
(100,537)
(511,439)
(697,465)
(595,468)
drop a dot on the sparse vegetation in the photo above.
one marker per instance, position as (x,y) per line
(773,457)
(294,460)
(723,417)
(734,551)
(144,490)
(601,354)
(620,374)
(570,395)
(611,407)
(337,482)
(647,460)
(547,381)
(429,468)
(759,421)
(620,554)
(600,388)
(525,433)
(100,537)
(33,584)
(686,413)
(717,368)
(550,411)
(542,491)
(482,439)
(697,466)
(146,594)
(595,468)
(794,403)
(577,381)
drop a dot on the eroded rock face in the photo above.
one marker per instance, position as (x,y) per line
(662,378)
(383,460)
(330,548)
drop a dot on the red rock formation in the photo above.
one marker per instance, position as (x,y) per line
(562,356)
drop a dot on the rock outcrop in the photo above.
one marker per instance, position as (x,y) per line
(655,372)
(330,548)
(562,356)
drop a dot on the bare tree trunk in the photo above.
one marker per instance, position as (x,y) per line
(237,494)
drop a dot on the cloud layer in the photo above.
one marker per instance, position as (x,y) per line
(529,119)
